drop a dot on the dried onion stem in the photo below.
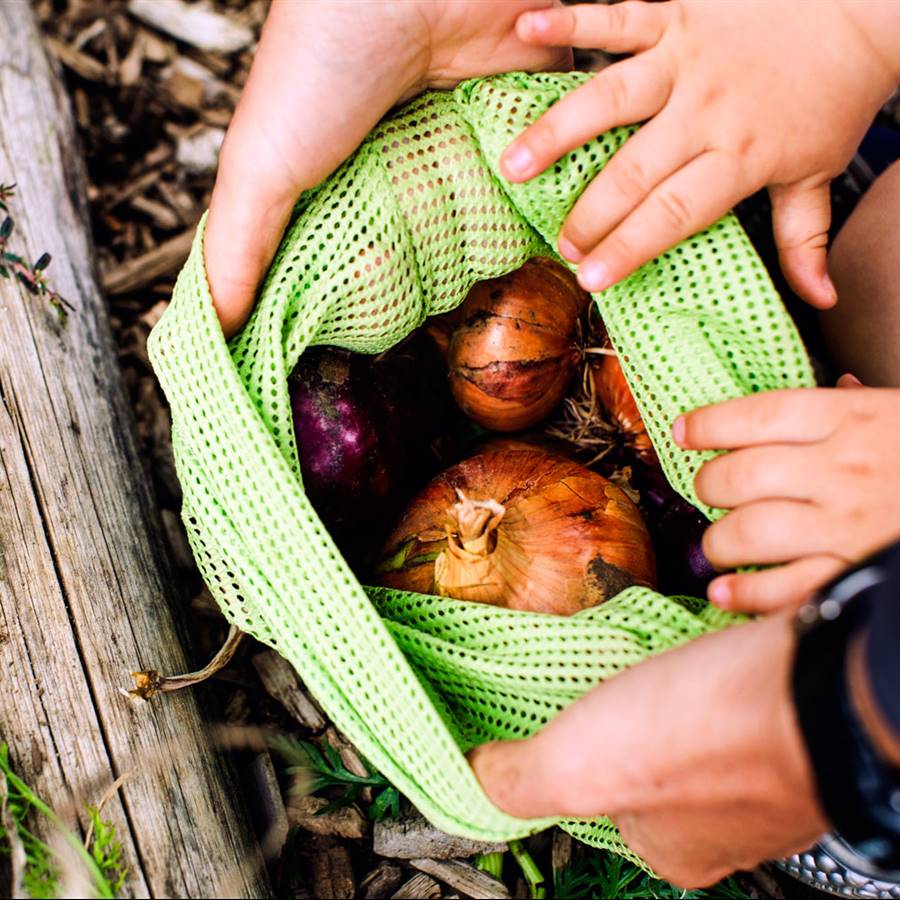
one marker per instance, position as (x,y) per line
(149,682)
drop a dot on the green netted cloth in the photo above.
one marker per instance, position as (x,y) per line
(400,232)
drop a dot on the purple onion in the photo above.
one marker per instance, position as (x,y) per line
(677,529)
(366,430)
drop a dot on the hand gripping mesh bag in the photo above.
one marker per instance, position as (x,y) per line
(400,232)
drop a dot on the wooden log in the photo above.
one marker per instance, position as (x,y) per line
(86,591)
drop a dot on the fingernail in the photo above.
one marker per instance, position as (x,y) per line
(534,21)
(679,431)
(518,160)
(720,594)
(848,379)
(593,276)
(569,250)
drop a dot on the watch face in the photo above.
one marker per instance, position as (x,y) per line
(836,867)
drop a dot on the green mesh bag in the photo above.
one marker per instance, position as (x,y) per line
(402,231)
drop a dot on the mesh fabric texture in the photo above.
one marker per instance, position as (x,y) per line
(402,231)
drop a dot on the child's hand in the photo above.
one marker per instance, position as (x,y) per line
(813,482)
(324,74)
(738,95)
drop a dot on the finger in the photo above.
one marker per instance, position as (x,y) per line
(623,28)
(771,472)
(766,532)
(771,589)
(801,215)
(688,201)
(626,92)
(514,780)
(660,148)
(849,380)
(794,416)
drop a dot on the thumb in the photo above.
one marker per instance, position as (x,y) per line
(801,214)
(248,212)
(516,780)
(297,120)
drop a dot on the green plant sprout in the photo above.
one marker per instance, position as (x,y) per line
(326,770)
(102,859)
(30,275)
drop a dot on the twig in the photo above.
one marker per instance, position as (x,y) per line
(107,795)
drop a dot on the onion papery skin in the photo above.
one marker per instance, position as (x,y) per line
(513,355)
(616,399)
(568,538)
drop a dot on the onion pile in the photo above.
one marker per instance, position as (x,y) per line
(515,349)
(520,528)
(520,524)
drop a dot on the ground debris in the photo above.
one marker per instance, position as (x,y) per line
(381,882)
(464,877)
(332,871)
(414,837)
(313,814)
(419,886)
(194,23)
(282,684)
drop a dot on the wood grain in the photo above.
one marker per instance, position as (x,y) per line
(86,591)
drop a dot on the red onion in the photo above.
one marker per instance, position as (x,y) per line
(677,529)
(367,433)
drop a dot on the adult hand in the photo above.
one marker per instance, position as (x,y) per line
(736,96)
(324,74)
(695,755)
(813,483)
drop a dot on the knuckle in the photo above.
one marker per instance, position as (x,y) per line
(621,248)
(617,16)
(760,593)
(768,411)
(614,89)
(696,429)
(674,209)
(631,177)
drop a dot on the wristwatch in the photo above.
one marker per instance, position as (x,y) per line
(859,790)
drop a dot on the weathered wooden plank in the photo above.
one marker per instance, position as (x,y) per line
(86,591)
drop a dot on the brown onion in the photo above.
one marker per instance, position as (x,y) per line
(615,397)
(520,528)
(516,349)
